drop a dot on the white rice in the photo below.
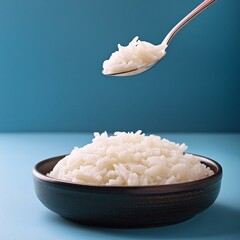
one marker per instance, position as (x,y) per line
(134,56)
(130,159)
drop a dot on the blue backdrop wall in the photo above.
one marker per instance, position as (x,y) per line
(51,54)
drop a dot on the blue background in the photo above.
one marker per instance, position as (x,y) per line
(51,54)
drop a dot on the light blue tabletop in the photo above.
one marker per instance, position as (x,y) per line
(24,217)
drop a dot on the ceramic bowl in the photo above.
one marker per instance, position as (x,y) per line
(127,206)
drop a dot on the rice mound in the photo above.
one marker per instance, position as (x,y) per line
(130,159)
(133,56)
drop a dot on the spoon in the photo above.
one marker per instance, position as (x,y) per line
(204,5)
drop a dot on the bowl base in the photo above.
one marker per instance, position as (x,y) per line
(126,225)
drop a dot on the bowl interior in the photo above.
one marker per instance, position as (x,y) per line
(44,167)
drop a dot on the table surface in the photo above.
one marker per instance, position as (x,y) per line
(24,217)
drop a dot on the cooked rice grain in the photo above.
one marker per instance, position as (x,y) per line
(130,159)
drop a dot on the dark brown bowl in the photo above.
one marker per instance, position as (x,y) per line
(114,206)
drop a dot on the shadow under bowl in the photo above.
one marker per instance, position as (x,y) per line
(126,206)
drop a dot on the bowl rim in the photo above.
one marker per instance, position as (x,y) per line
(163,188)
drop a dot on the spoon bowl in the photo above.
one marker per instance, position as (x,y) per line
(136,70)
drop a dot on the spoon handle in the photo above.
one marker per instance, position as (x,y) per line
(204,5)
